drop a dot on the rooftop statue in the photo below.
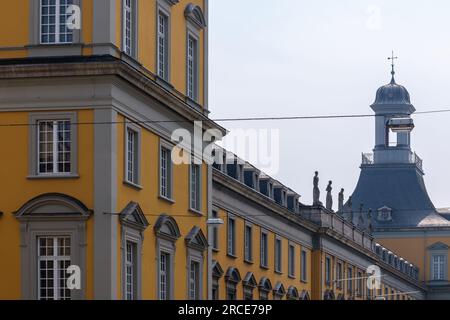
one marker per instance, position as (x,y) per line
(316,191)
(329,201)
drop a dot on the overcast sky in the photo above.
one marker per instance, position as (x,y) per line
(296,57)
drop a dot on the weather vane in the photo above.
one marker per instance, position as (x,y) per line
(392,58)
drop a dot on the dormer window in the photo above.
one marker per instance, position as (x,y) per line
(384,214)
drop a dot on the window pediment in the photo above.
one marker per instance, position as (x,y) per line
(438,246)
(265,284)
(53,205)
(233,275)
(194,14)
(196,239)
(217,270)
(133,216)
(292,293)
(250,280)
(279,289)
(167,227)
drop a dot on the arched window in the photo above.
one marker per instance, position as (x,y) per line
(217,273)
(232,278)
(167,233)
(278,291)
(53,237)
(249,284)
(292,293)
(265,286)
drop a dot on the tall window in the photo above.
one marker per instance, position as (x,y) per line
(54,146)
(349,279)
(264,250)
(248,293)
(231,236)
(278,255)
(291,262)
(438,263)
(304,264)
(339,275)
(195,187)
(248,243)
(130,271)
(215,232)
(54,21)
(132,155)
(163,46)
(54,257)
(359,284)
(327,270)
(192,68)
(165,173)
(127,26)
(194,281)
(164,276)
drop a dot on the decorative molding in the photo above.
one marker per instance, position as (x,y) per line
(250,280)
(196,239)
(134,217)
(166,227)
(194,14)
(233,275)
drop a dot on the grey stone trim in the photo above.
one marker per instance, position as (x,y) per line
(132,231)
(105,201)
(137,130)
(104,27)
(195,255)
(35,28)
(167,233)
(194,14)
(33,149)
(49,50)
(169,147)
(51,215)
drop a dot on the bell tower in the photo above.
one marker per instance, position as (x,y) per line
(393,123)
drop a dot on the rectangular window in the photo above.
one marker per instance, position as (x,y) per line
(291,261)
(231,236)
(192,68)
(264,249)
(132,156)
(54,16)
(304,264)
(163,46)
(54,257)
(359,284)
(194,281)
(54,146)
(248,293)
(278,255)
(215,232)
(339,275)
(328,270)
(248,243)
(438,263)
(349,279)
(195,187)
(164,276)
(130,271)
(128,26)
(165,173)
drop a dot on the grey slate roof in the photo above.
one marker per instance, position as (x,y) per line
(401,188)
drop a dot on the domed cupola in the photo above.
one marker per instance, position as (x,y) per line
(392,94)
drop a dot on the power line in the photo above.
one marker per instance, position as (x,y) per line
(242,119)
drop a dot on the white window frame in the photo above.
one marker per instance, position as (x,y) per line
(438,267)
(131,261)
(55,142)
(135,153)
(192,66)
(194,280)
(129,25)
(164,275)
(165,171)
(57,24)
(163,44)
(55,258)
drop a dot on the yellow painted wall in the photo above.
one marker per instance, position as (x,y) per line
(226,261)
(414,249)
(16,190)
(153,207)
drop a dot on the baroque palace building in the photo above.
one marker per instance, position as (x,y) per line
(87,116)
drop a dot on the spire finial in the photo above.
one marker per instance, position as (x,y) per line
(392,58)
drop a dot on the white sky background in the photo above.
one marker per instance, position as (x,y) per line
(318,57)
